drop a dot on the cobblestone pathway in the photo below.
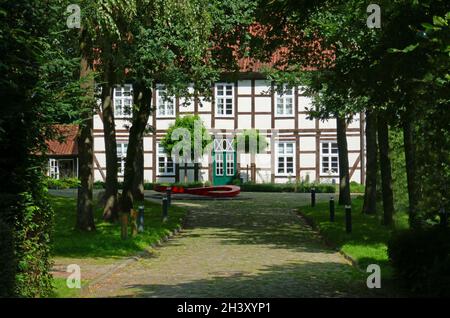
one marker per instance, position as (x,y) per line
(255,246)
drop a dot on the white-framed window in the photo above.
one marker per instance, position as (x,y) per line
(219,164)
(166,166)
(224,100)
(285,152)
(165,105)
(122,147)
(329,157)
(230,163)
(284,102)
(123,100)
(53,168)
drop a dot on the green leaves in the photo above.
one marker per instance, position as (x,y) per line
(407,49)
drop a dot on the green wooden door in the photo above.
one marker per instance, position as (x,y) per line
(224,162)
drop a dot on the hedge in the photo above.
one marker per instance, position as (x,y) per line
(287,187)
(421,260)
(64,183)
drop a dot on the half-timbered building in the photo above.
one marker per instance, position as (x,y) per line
(299,148)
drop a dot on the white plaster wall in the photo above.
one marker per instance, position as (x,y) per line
(304,103)
(244,121)
(263,104)
(284,123)
(245,87)
(307,143)
(304,175)
(305,123)
(328,124)
(262,176)
(307,160)
(224,123)
(262,121)
(164,123)
(262,87)
(245,104)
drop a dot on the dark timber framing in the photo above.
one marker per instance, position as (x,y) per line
(245,116)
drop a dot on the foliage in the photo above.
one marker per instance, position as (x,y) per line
(421,259)
(399,185)
(356,187)
(248,137)
(367,244)
(35,93)
(105,241)
(197,184)
(301,187)
(187,124)
(64,183)
(371,68)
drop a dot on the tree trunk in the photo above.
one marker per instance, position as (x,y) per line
(138,179)
(85,214)
(344,175)
(177,172)
(142,97)
(370,194)
(385,167)
(196,170)
(110,210)
(410,155)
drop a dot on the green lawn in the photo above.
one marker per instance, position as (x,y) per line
(105,241)
(62,291)
(367,244)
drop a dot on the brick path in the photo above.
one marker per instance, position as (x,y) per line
(255,246)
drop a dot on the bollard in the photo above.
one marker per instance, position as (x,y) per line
(331,209)
(124,226)
(348,218)
(169,195)
(443,217)
(313,197)
(164,209)
(141,218)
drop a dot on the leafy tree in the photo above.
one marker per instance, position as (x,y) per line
(187,124)
(38,89)
(181,45)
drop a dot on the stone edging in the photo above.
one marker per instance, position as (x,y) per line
(85,290)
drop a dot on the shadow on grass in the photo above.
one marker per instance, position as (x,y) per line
(367,244)
(310,279)
(105,242)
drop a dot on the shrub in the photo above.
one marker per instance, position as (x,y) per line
(197,184)
(356,187)
(421,260)
(99,185)
(65,183)
(301,187)
(148,186)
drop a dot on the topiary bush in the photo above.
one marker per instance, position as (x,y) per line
(421,260)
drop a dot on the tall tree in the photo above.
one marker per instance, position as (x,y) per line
(344,174)
(183,45)
(106,27)
(39,87)
(370,192)
(85,213)
(385,167)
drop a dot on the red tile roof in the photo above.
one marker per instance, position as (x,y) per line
(314,55)
(68,146)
